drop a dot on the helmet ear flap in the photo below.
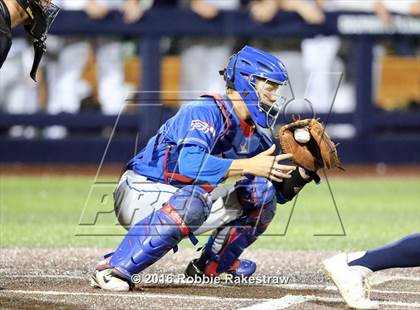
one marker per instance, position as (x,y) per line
(229,72)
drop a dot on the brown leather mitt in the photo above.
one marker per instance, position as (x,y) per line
(317,153)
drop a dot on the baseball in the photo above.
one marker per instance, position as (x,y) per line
(302,135)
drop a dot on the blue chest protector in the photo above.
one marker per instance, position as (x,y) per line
(240,139)
(210,133)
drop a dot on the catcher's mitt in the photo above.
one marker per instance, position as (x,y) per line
(317,153)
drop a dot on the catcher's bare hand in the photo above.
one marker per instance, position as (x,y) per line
(266,165)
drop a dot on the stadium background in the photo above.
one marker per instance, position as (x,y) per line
(53,189)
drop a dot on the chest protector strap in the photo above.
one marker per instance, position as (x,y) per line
(222,106)
(170,174)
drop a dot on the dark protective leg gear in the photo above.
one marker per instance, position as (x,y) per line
(257,198)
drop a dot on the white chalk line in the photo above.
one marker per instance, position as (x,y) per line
(281,303)
(47,276)
(291,300)
(379,279)
(132,295)
(291,286)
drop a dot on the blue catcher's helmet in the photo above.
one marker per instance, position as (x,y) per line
(241,74)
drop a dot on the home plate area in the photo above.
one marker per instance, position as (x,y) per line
(59,278)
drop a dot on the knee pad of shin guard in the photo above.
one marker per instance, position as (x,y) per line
(155,235)
(254,192)
(192,204)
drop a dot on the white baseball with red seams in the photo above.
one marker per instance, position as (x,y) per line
(302,135)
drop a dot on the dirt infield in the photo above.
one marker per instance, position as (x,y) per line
(47,279)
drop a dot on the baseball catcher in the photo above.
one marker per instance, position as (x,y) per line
(37,17)
(173,188)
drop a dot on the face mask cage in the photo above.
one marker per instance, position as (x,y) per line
(44,13)
(46,5)
(272,95)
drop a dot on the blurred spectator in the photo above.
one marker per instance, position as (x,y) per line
(404,46)
(307,9)
(66,86)
(319,61)
(286,49)
(19,93)
(202,58)
(263,11)
(316,72)
(319,57)
(319,53)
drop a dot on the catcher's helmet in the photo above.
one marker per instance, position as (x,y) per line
(241,75)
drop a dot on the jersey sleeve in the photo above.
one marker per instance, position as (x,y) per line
(195,163)
(201,124)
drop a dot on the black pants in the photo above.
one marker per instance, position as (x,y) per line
(5,32)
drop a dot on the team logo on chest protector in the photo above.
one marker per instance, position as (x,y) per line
(197,124)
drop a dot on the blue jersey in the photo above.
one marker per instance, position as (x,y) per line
(198,144)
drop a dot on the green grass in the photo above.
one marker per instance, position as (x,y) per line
(45,212)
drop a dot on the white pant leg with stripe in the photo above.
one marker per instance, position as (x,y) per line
(136,197)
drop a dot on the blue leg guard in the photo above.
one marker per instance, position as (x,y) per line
(257,197)
(152,237)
